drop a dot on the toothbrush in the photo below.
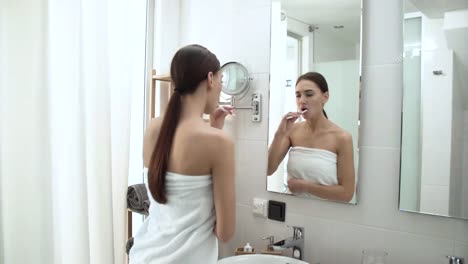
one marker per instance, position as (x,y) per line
(226,111)
(302,112)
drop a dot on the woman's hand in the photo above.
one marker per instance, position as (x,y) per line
(219,115)
(297,185)
(287,122)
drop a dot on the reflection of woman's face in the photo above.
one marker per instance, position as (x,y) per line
(309,97)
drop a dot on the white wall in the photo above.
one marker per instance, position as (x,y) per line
(328,48)
(335,232)
(432,34)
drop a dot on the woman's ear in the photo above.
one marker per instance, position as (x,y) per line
(326,95)
(210,80)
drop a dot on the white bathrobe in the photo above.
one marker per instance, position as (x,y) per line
(180,231)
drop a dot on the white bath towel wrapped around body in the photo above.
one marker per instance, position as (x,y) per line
(180,231)
(313,165)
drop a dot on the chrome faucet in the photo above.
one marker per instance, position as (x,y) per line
(296,242)
(456,260)
(271,241)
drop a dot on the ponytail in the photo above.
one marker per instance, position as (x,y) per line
(160,157)
(190,66)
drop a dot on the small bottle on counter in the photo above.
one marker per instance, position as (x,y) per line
(247,248)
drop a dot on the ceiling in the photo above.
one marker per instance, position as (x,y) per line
(326,14)
(435,8)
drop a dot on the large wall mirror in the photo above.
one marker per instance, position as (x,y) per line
(434,149)
(314,158)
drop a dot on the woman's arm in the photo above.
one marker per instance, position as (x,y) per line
(278,149)
(224,187)
(281,142)
(219,115)
(344,191)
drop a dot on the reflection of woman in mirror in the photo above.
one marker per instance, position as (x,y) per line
(321,159)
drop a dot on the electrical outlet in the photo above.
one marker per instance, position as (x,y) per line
(260,207)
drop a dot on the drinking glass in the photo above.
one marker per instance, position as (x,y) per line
(373,256)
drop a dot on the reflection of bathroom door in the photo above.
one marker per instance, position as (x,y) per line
(292,71)
(436,113)
(293,55)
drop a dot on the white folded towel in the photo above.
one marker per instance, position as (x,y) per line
(180,231)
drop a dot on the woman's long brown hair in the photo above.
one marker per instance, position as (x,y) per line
(190,66)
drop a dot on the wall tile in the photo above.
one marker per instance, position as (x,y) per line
(379,195)
(251,44)
(326,210)
(319,244)
(230,127)
(402,247)
(251,166)
(248,130)
(461,250)
(255,228)
(461,230)
(381,106)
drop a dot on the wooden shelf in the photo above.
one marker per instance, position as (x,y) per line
(162,77)
(164,93)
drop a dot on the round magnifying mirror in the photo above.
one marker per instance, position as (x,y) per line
(235,78)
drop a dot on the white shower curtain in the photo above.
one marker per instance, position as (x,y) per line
(65,94)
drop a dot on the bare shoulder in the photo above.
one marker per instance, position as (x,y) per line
(202,137)
(216,138)
(208,143)
(343,138)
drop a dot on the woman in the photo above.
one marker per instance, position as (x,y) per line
(321,159)
(190,169)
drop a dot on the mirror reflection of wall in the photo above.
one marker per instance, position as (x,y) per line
(322,37)
(434,151)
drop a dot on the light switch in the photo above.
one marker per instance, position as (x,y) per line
(260,207)
(276,210)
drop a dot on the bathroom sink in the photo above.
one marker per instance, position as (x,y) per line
(260,259)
